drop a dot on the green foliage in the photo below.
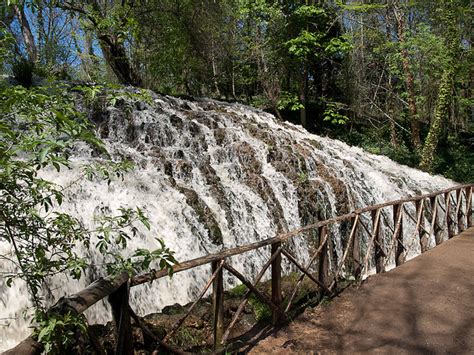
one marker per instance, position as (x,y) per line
(339,45)
(40,129)
(58,332)
(238,291)
(289,101)
(455,160)
(305,44)
(113,236)
(359,7)
(262,310)
(378,142)
(6,44)
(302,177)
(333,115)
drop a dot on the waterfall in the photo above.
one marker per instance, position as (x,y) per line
(211,176)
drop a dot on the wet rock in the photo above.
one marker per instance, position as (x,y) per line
(338,187)
(202,118)
(217,190)
(204,213)
(183,170)
(220,135)
(140,106)
(173,309)
(176,121)
(259,184)
(289,161)
(310,202)
(315,144)
(247,158)
(168,168)
(193,128)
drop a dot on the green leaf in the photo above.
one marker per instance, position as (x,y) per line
(43,153)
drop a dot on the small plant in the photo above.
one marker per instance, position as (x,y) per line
(302,177)
(58,333)
(238,291)
(332,113)
(261,310)
(289,101)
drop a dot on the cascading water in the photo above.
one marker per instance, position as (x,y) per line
(211,176)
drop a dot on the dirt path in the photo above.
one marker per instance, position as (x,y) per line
(424,306)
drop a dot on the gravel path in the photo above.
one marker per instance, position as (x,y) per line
(425,306)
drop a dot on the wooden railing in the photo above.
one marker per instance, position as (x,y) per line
(432,218)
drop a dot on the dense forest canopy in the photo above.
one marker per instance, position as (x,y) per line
(393,76)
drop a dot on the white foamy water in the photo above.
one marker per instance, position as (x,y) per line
(255,176)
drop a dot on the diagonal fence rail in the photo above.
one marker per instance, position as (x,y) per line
(418,222)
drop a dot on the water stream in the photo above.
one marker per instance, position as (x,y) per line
(211,176)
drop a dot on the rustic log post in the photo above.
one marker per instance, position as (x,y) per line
(379,253)
(218,305)
(448,214)
(276,282)
(459,213)
(424,239)
(356,262)
(122,318)
(398,217)
(436,230)
(469,206)
(323,267)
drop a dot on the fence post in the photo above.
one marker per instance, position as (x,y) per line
(459,210)
(379,254)
(356,264)
(323,267)
(469,206)
(218,305)
(122,318)
(276,282)
(419,206)
(447,201)
(434,220)
(398,230)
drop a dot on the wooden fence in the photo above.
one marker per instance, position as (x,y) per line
(431,218)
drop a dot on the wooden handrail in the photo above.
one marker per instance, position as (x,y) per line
(153,275)
(118,285)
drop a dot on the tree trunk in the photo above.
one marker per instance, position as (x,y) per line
(445,91)
(28,37)
(214,76)
(440,116)
(303,90)
(409,80)
(116,57)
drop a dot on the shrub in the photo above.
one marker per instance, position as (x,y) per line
(23,70)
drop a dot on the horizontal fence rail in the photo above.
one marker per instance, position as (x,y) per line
(414,223)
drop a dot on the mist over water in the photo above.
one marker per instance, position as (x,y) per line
(212,176)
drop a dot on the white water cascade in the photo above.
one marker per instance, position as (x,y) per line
(211,176)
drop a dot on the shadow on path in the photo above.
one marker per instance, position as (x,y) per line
(424,306)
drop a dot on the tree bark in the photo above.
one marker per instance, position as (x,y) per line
(409,79)
(26,32)
(116,57)
(445,91)
(303,90)
(440,116)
